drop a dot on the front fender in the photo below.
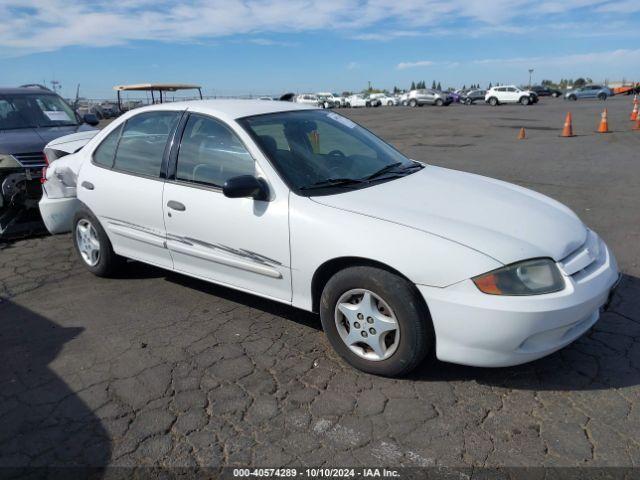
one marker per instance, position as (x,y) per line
(320,233)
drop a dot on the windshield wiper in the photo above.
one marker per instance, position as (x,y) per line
(390,168)
(332,182)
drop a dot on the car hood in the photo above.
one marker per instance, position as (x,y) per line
(506,222)
(26,140)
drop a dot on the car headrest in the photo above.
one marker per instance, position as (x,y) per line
(269,143)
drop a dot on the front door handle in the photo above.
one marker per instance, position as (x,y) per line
(173,205)
(88,185)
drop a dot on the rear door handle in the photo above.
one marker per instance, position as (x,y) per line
(173,205)
(88,185)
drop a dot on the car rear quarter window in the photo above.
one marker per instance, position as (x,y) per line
(211,153)
(143,140)
(106,151)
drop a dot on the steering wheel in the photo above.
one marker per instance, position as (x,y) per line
(336,164)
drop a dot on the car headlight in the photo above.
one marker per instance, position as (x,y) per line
(7,161)
(530,277)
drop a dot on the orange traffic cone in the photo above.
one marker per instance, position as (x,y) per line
(634,112)
(522,135)
(604,123)
(637,125)
(567,131)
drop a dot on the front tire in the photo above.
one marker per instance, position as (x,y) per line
(93,245)
(376,321)
(439,102)
(602,97)
(493,101)
(413,103)
(525,101)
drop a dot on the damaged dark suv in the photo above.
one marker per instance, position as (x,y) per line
(29,119)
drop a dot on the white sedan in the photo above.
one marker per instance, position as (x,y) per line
(303,206)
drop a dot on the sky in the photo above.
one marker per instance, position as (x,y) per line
(237,47)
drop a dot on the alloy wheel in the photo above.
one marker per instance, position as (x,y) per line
(367,325)
(88,243)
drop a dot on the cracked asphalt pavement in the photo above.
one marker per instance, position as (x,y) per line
(154,368)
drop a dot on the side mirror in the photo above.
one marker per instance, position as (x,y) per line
(91,119)
(245,186)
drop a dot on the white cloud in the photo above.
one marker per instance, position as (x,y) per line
(627,6)
(268,42)
(419,63)
(43,25)
(627,56)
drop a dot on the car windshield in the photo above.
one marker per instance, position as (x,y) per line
(318,152)
(34,110)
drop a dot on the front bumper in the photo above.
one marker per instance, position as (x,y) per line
(473,328)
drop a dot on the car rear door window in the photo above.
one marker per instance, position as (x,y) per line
(211,153)
(143,140)
(106,151)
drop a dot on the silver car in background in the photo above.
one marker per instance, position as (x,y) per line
(589,91)
(426,96)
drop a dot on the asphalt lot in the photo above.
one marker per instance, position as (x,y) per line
(154,368)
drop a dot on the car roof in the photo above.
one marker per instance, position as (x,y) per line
(24,91)
(228,109)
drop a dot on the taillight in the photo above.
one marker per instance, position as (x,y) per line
(43,179)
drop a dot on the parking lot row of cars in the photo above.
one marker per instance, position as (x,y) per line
(416,98)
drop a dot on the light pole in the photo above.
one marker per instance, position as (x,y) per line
(530,72)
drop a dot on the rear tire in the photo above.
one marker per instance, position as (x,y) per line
(88,236)
(396,304)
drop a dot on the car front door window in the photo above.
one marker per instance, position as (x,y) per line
(210,153)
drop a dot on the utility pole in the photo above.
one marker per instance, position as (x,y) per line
(56,85)
(530,72)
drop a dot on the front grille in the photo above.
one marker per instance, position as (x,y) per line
(585,256)
(32,159)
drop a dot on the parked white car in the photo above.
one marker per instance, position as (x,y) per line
(362,100)
(356,100)
(508,94)
(333,99)
(303,206)
(384,99)
(308,99)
